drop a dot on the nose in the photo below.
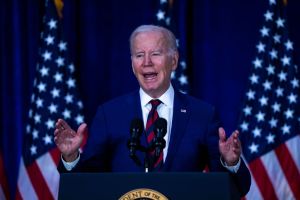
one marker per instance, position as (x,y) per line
(148,60)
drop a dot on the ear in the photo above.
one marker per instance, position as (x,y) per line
(175,58)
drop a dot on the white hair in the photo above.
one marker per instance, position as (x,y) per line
(169,36)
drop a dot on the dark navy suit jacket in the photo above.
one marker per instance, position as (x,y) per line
(193,142)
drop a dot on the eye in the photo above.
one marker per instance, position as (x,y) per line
(139,55)
(156,53)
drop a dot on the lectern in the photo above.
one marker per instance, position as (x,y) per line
(147,186)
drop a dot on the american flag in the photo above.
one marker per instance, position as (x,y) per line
(54,96)
(164,17)
(271,114)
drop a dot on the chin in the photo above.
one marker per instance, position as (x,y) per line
(150,90)
(150,86)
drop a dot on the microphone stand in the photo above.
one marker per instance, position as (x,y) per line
(156,146)
(146,163)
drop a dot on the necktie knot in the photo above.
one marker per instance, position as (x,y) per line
(155,103)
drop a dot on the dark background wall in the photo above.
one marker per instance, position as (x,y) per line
(220,47)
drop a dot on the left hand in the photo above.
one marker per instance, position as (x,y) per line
(230,148)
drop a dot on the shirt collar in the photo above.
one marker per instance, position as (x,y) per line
(167,98)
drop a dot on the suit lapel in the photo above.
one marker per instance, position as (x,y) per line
(139,115)
(181,115)
(135,105)
(135,111)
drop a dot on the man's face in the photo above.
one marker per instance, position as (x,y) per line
(152,62)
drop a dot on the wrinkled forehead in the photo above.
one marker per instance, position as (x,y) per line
(152,39)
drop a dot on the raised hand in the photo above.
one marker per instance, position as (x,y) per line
(67,140)
(230,148)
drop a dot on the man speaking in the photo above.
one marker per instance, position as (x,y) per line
(194,137)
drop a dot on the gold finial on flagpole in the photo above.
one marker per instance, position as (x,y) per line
(59,4)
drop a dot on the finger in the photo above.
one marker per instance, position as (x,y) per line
(222,135)
(236,141)
(56,140)
(60,134)
(56,131)
(82,129)
(238,144)
(58,124)
(65,124)
(236,134)
(233,138)
(61,124)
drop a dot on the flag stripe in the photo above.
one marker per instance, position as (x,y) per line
(55,154)
(254,192)
(46,165)
(262,179)
(25,186)
(18,195)
(2,196)
(3,182)
(290,169)
(38,181)
(294,147)
(276,176)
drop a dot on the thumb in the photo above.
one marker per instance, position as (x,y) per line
(82,129)
(222,135)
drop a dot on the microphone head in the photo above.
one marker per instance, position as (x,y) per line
(160,126)
(136,126)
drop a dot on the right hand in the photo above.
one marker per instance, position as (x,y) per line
(67,140)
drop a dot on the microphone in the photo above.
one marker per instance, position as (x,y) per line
(136,129)
(160,130)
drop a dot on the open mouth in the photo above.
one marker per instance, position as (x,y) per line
(150,76)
